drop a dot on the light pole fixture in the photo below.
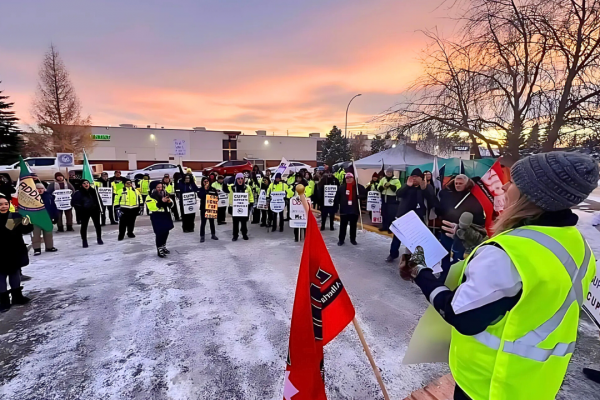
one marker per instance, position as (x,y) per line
(346,124)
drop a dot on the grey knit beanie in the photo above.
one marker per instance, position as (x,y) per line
(556,181)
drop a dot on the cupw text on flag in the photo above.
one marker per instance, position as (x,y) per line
(322,309)
(30,201)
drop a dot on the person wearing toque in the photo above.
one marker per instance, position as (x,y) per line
(514,302)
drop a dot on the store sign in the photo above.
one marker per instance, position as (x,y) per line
(101,137)
(460,148)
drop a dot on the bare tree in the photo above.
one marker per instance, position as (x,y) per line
(57,112)
(572,97)
(358,146)
(446,101)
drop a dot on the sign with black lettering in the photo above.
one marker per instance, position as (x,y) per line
(240,204)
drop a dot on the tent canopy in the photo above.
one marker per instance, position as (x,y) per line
(473,168)
(399,158)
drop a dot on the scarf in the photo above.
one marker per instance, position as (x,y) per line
(350,189)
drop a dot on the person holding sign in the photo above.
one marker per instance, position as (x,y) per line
(411,197)
(209,206)
(293,193)
(86,201)
(103,182)
(265,213)
(276,194)
(129,201)
(239,204)
(348,201)
(328,186)
(187,186)
(159,205)
(222,212)
(61,184)
(14,254)
(515,311)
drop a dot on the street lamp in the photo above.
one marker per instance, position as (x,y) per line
(346,125)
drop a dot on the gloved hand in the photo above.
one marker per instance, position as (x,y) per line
(415,264)
(472,236)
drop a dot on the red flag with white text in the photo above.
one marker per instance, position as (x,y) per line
(488,191)
(322,309)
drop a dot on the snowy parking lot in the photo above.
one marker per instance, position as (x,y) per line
(212,320)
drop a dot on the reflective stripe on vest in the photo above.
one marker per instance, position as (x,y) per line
(527,345)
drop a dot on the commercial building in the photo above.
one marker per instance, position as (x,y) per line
(129,147)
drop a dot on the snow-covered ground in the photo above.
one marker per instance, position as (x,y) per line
(211,321)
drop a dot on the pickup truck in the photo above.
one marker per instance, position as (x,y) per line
(44,168)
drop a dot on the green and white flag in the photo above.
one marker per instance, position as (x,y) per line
(88,175)
(30,201)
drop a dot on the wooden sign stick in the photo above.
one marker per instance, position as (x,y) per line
(361,336)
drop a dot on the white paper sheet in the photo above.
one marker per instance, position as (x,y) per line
(412,232)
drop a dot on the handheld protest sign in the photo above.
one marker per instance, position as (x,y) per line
(62,199)
(189,203)
(262,201)
(240,204)
(105,194)
(212,206)
(373,201)
(223,199)
(277,201)
(329,195)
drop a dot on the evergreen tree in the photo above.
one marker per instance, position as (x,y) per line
(379,144)
(336,148)
(10,135)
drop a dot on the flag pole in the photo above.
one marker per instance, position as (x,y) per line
(300,190)
(362,227)
(361,336)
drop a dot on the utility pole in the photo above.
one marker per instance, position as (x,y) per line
(346,125)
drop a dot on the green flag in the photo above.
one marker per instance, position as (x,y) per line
(30,201)
(87,170)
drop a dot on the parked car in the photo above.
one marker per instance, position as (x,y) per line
(227,168)
(294,167)
(156,171)
(44,168)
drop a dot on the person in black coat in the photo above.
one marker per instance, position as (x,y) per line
(159,205)
(187,185)
(104,182)
(14,254)
(410,197)
(348,201)
(85,200)
(327,179)
(206,189)
(455,199)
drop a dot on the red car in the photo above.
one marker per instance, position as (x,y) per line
(227,168)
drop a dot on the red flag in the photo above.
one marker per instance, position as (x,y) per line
(488,191)
(322,309)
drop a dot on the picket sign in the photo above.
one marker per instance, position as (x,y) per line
(591,305)
(262,201)
(277,201)
(298,217)
(376,217)
(240,204)
(62,198)
(223,199)
(329,195)
(373,201)
(190,205)
(105,194)
(212,206)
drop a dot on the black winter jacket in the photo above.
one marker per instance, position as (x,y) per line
(12,247)
(412,198)
(447,208)
(85,200)
(202,195)
(341,200)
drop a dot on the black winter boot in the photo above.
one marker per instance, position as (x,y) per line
(4,302)
(17,296)
(214,237)
(161,252)
(85,243)
(166,250)
(99,240)
(61,229)
(202,239)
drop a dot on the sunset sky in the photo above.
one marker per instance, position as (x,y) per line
(224,64)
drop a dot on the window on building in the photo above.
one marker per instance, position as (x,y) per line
(229,149)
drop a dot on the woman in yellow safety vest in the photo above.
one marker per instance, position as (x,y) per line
(292,192)
(514,302)
(159,205)
(144,189)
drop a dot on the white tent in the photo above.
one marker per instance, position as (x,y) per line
(398,157)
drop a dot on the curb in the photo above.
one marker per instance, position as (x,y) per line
(440,389)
